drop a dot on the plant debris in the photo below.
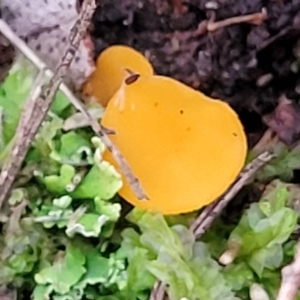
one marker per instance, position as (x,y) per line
(285,121)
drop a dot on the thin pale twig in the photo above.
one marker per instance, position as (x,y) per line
(43,103)
(158,291)
(31,56)
(209,214)
(120,159)
(290,278)
(30,121)
(255,19)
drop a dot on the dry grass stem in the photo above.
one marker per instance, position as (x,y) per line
(40,100)
(255,19)
(209,214)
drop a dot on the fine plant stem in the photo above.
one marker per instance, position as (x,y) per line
(209,214)
(42,97)
(255,19)
(39,102)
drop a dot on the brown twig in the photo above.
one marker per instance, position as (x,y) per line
(37,106)
(42,102)
(158,292)
(209,214)
(290,278)
(255,19)
(30,55)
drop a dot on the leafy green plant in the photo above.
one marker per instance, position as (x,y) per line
(64,234)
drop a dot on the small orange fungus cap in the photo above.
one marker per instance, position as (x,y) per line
(111,70)
(185,148)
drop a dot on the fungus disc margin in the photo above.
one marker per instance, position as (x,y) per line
(111,71)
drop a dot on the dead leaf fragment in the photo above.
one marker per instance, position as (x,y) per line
(45,26)
(285,121)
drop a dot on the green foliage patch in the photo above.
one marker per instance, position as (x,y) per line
(64,234)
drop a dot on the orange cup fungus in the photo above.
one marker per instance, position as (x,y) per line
(111,69)
(185,148)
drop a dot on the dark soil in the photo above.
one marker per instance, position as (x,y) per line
(249,66)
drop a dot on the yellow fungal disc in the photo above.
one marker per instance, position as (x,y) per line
(185,148)
(113,65)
